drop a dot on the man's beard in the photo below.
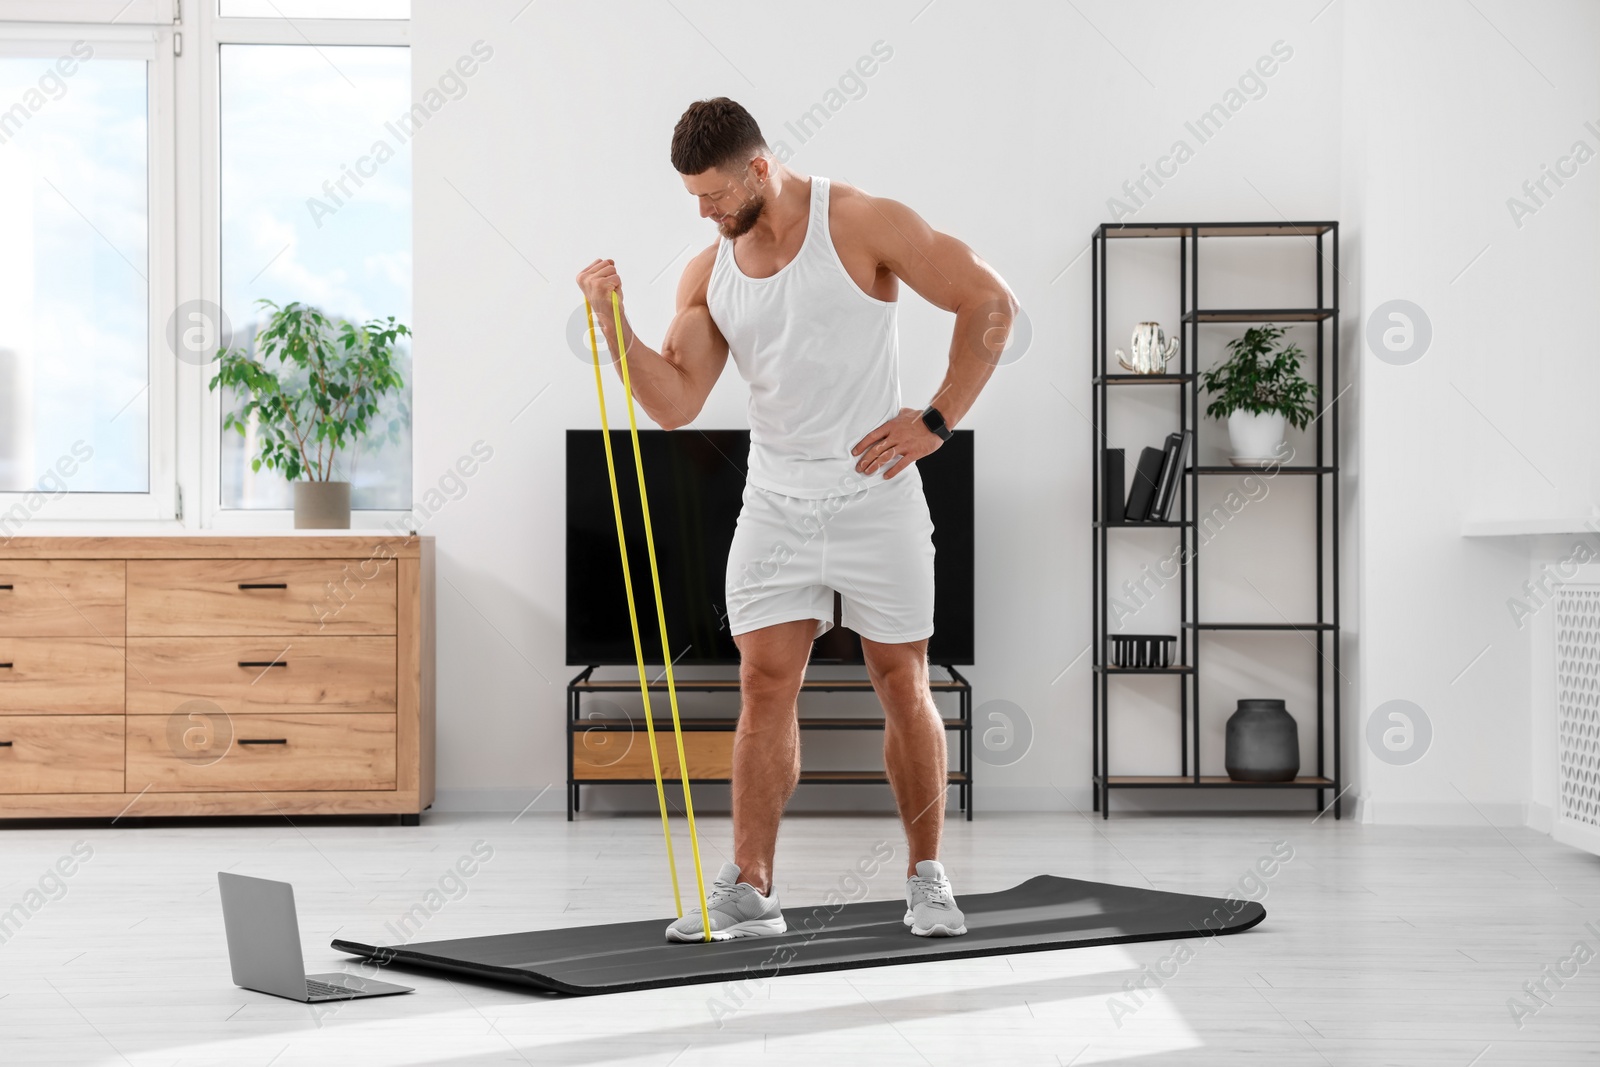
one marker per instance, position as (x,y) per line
(742,221)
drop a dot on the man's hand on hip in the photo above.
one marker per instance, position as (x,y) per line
(902,440)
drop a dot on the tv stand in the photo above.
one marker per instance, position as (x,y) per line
(615,750)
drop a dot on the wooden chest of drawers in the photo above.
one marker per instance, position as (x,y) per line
(201,675)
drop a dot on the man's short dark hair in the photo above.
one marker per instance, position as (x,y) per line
(715,133)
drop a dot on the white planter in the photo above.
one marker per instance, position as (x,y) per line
(1256,439)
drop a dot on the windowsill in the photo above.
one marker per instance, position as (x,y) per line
(1528,527)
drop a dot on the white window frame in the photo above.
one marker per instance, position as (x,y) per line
(184,241)
(159,13)
(159,503)
(212,32)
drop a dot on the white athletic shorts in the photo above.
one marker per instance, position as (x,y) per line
(874,547)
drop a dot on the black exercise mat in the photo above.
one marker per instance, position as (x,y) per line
(1042,913)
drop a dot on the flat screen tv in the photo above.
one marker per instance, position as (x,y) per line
(695,480)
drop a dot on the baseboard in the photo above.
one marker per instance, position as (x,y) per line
(1586,838)
(1445,813)
(511,799)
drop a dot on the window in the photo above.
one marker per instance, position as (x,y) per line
(75,353)
(155,158)
(316,9)
(316,208)
(86,399)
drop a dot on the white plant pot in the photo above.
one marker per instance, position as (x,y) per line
(1256,439)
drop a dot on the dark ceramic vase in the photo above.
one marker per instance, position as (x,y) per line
(1263,743)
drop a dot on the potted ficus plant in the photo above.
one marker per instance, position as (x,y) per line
(1259,390)
(314,389)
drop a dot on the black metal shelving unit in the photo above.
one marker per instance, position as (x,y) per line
(585,684)
(1324,630)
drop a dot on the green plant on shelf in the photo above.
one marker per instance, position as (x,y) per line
(1261,378)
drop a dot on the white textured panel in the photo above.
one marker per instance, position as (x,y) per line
(1578,703)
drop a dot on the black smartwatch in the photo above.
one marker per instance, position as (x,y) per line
(935,423)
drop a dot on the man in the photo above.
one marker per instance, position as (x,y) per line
(801,288)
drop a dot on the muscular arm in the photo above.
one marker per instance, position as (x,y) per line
(949,275)
(672,384)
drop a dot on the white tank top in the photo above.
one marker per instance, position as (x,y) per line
(821,357)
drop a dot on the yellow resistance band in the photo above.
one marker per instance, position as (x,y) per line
(661,615)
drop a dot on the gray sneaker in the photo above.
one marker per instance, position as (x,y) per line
(737,910)
(930,905)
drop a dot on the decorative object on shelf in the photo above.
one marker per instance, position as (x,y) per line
(1151,349)
(334,376)
(1141,650)
(1263,743)
(1256,440)
(1259,390)
(1116,487)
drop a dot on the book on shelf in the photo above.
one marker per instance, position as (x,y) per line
(1145,478)
(1174,454)
(1115,488)
(1164,481)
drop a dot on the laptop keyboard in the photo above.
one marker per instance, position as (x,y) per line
(315,988)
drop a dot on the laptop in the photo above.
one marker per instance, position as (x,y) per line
(264,945)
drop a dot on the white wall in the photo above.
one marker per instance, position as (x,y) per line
(1010,125)
(1496,420)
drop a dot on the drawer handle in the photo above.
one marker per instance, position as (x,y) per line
(6,744)
(263,663)
(6,666)
(7,585)
(263,585)
(263,740)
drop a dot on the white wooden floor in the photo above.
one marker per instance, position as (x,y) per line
(1382,945)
